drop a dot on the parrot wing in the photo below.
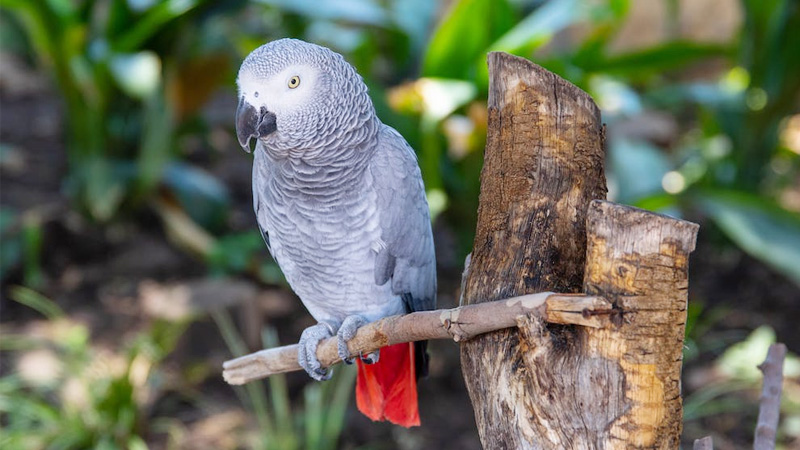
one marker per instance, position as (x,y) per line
(260,180)
(406,254)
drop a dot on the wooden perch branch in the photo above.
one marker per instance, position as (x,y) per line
(459,324)
(770,406)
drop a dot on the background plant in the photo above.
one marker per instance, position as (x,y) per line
(67,394)
(704,129)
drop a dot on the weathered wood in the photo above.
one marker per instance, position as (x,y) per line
(459,324)
(769,408)
(549,386)
(543,165)
(639,259)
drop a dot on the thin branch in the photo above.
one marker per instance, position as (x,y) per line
(706,443)
(770,405)
(459,324)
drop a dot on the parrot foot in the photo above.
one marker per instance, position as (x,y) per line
(307,353)
(348,331)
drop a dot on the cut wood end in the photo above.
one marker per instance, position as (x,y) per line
(234,379)
(578,309)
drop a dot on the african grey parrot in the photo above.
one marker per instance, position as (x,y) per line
(340,202)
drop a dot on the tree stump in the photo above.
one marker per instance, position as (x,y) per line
(551,386)
(640,261)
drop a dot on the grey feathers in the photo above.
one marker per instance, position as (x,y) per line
(404,222)
(338,195)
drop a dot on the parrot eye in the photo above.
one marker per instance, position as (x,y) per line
(294,82)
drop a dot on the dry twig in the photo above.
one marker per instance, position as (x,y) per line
(770,405)
(459,324)
(706,443)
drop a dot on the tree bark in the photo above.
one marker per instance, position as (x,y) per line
(640,260)
(551,386)
(543,164)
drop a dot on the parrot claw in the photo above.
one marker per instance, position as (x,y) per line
(371,358)
(307,353)
(346,332)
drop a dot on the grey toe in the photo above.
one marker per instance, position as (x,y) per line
(307,352)
(346,332)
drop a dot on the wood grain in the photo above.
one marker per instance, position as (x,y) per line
(543,164)
(549,386)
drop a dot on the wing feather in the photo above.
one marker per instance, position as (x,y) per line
(407,255)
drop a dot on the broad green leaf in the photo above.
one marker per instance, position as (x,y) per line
(540,26)
(760,227)
(464,36)
(668,56)
(234,252)
(156,143)
(202,196)
(152,22)
(712,95)
(366,12)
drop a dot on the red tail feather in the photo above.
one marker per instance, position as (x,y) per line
(387,390)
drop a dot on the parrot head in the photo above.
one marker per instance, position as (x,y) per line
(296,97)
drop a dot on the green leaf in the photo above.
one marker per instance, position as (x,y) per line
(675,96)
(202,196)
(366,12)
(338,400)
(32,251)
(758,226)
(668,56)
(464,35)
(233,253)
(152,22)
(136,443)
(540,26)
(102,184)
(36,301)
(156,143)
(11,250)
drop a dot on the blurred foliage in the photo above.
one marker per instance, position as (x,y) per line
(119,66)
(21,235)
(66,394)
(135,78)
(317,426)
(735,383)
(131,92)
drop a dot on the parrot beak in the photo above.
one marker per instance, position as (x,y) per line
(251,123)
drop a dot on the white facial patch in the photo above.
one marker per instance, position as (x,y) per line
(275,92)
